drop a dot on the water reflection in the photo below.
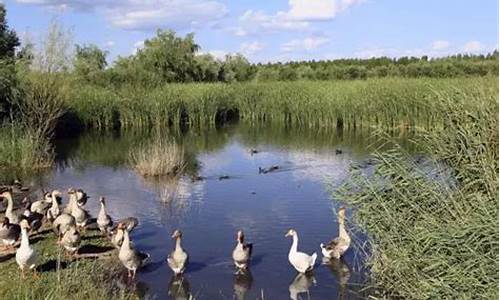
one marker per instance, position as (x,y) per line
(179,288)
(339,269)
(242,284)
(300,285)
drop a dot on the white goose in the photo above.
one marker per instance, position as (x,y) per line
(54,211)
(26,256)
(9,212)
(302,262)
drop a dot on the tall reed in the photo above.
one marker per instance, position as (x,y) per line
(433,222)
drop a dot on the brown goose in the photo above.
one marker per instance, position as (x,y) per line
(338,246)
(62,223)
(9,233)
(41,206)
(71,240)
(242,252)
(178,259)
(34,219)
(130,257)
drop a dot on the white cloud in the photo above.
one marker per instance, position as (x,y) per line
(318,10)
(307,44)
(218,54)
(146,14)
(137,46)
(440,45)
(252,22)
(473,46)
(251,48)
(109,44)
(298,17)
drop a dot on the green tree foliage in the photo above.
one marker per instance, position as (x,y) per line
(236,68)
(90,62)
(8,43)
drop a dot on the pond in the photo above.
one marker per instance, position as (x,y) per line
(232,195)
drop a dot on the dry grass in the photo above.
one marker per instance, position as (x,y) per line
(159,157)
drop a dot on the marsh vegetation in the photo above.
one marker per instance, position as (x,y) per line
(446,243)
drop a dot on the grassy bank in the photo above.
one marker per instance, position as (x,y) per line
(74,279)
(386,102)
(434,223)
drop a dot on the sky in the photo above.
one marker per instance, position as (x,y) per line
(273,30)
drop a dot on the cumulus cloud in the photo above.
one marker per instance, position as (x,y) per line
(137,46)
(252,22)
(109,44)
(251,48)
(146,14)
(306,44)
(298,17)
(440,45)
(318,10)
(473,46)
(165,13)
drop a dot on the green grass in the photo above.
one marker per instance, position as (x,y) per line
(77,279)
(433,224)
(387,103)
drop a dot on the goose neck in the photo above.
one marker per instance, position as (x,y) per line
(25,242)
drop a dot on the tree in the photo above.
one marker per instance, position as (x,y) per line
(168,58)
(236,68)
(90,62)
(8,43)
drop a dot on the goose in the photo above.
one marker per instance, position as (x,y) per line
(9,212)
(71,240)
(76,198)
(242,252)
(41,206)
(81,216)
(338,246)
(62,223)
(302,262)
(178,259)
(301,284)
(130,257)
(117,235)
(9,233)
(104,220)
(54,211)
(26,256)
(34,219)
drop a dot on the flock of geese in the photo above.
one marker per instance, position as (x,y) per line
(72,221)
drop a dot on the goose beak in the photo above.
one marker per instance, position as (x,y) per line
(287,234)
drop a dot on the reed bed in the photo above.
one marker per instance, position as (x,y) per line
(22,151)
(387,103)
(158,158)
(433,222)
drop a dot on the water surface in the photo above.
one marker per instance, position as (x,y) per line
(210,211)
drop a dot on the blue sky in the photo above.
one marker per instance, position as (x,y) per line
(274,30)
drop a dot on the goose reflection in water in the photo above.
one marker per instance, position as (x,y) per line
(242,284)
(178,288)
(300,285)
(340,270)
